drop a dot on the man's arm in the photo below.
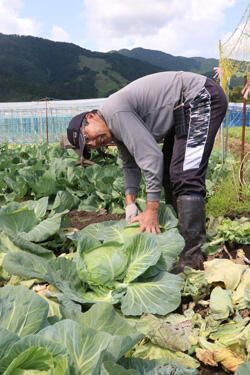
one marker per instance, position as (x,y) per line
(131,171)
(144,153)
(140,149)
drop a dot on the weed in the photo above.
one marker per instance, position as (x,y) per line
(227,199)
(236,132)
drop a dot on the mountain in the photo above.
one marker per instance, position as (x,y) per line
(32,68)
(169,62)
(199,65)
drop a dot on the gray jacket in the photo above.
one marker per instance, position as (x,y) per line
(139,116)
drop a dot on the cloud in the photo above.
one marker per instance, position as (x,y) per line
(59,35)
(12,23)
(187,27)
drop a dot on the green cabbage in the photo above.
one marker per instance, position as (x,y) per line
(103,265)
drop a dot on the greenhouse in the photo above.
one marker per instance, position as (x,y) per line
(33,122)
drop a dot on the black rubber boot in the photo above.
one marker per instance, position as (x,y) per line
(192,221)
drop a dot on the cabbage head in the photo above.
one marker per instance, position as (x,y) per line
(131,267)
(103,265)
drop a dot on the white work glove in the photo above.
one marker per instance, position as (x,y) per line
(131,211)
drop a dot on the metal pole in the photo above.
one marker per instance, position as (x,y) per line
(221,132)
(222,143)
(243,137)
(47,130)
(227,115)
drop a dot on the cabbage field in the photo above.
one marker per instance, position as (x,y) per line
(101,299)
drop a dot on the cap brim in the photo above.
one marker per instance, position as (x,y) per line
(74,134)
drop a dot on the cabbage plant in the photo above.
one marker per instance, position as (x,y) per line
(114,263)
(76,343)
(102,266)
(120,265)
(28,220)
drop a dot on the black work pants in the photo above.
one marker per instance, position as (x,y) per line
(186,158)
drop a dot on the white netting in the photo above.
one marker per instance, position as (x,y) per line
(26,122)
(235,51)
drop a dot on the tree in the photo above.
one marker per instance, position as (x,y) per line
(235,95)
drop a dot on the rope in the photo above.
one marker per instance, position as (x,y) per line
(243,182)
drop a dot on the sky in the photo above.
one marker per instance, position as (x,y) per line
(179,27)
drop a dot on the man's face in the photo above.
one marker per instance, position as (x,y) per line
(96,132)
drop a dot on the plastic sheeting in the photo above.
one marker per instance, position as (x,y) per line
(26,122)
(235,115)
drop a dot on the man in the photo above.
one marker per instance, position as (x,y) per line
(138,117)
(86,155)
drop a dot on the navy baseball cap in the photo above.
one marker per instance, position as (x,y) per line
(74,134)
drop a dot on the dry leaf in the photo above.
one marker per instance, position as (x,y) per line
(206,356)
(229,360)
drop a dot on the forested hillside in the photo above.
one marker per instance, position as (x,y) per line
(166,61)
(169,62)
(32,68)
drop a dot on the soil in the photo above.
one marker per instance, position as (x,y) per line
(207,370)
(80,219)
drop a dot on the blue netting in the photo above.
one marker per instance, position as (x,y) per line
(26,122)
(235,115)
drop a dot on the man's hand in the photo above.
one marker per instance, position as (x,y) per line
(131,211)
(148,219)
